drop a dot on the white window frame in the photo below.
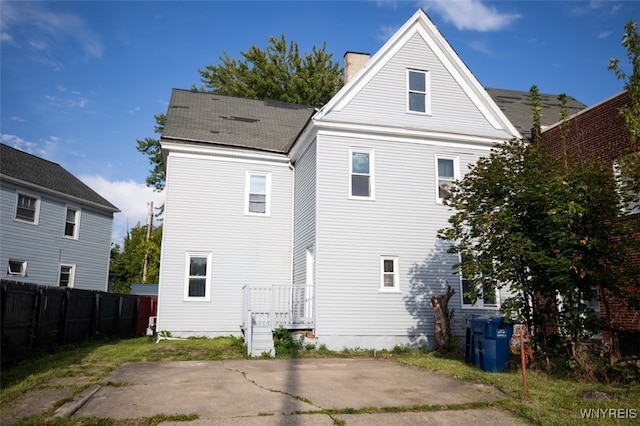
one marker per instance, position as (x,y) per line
(36,214)
(207,287)
(247,193)
(76,227)
(371,153)
(625,209)
(23,268)
(456,173)
(480,300)
(395,273)
(426,93)
(72,274)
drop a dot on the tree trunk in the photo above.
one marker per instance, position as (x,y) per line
(442,319)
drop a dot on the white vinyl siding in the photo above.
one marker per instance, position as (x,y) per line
(383,100)
(361,174)
(418,99)
(197,286)
(247,249)
(305,213)
(403,223)
(447,172)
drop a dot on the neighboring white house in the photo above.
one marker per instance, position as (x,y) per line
(54,229)
(325,219)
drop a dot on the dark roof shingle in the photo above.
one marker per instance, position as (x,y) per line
(46,174)
(224,120)
(516,105)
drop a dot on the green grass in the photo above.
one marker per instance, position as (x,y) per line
(552,401)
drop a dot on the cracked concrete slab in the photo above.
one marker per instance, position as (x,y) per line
(282,392)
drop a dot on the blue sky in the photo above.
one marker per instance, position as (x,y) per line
(82,80)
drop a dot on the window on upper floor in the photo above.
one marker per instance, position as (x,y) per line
(258,194)
(198,277)
(487,295)
(389,274)
(361,173)
(17,267)
(67,275)
(71,223)
(418,92)
(623,168)
(447,173)
(27,208)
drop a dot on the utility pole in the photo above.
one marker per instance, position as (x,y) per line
(146,248)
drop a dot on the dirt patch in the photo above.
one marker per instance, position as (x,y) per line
(33,404)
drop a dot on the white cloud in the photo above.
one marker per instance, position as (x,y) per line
(604,34)
(470,14)
(130,197)
(45,148)
(32,25)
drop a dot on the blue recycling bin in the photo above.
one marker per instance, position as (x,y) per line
(488,343)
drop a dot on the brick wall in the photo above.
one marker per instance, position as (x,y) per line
(599,132)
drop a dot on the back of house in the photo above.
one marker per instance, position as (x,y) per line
(326,220)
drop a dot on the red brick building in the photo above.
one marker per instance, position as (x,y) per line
(600,132)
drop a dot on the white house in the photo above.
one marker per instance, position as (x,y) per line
(325,220)
(54,229)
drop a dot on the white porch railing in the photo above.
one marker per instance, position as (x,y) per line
(277,305)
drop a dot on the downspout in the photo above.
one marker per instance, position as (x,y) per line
(293,220)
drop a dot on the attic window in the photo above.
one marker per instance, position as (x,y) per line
(418,93)
(242,119)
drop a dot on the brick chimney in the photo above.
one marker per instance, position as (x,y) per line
(353,61)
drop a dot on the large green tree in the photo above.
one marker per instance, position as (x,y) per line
(127,262)
(278,73)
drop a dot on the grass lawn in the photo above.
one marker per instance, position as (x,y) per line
(552,401)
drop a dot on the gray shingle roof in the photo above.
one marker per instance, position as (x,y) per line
(516,105)
(46,174)
(230,121)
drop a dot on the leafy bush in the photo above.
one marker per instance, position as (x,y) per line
(286,345)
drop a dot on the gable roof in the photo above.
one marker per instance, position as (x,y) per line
(27,169)
(421,24)
(208,118)
(516,105)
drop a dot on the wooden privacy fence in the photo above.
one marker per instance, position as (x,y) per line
(37,316)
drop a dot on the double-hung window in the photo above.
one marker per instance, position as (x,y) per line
(17,267)
(258,194)
(418,93)
(361,173)
(389,274)
(27,208)
(71,223)
(486,294)
(198,277)
(447,173)
(67,275)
